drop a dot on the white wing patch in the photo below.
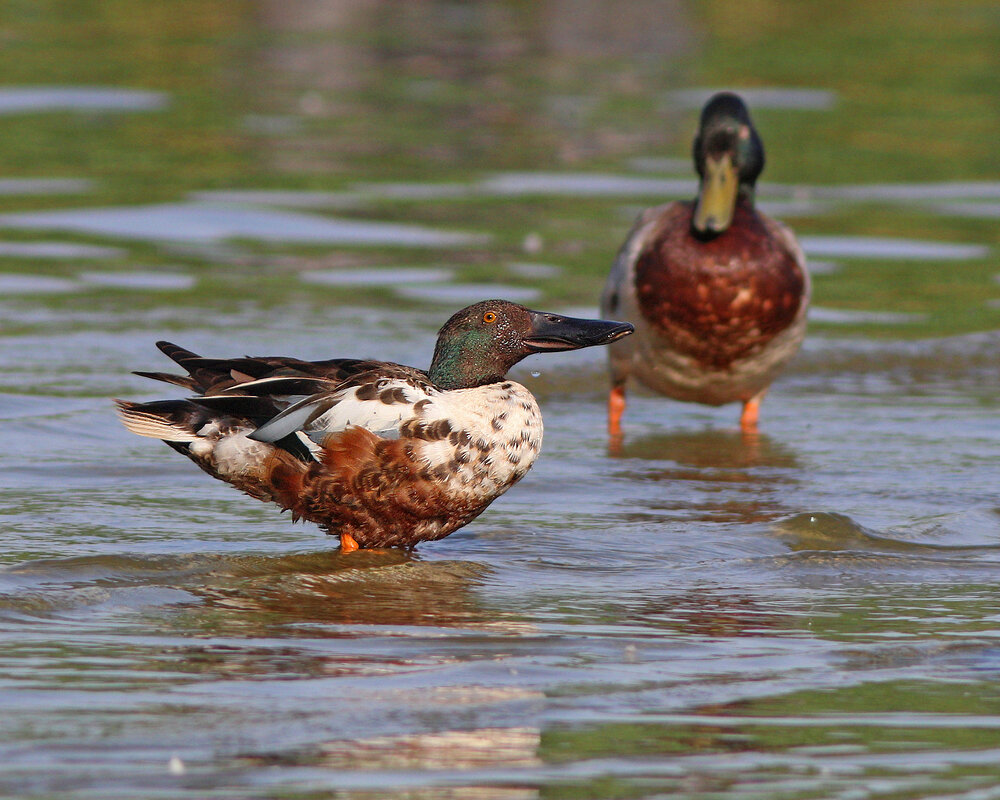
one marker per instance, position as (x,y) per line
(324,414)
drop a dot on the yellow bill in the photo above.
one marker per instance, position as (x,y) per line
(717,196)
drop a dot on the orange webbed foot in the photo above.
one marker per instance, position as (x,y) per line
(751,414)
(616,407)
(348,544)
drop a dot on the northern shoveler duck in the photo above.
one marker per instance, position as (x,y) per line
(717,290)
(381,454)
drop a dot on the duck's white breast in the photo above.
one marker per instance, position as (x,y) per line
(496,435)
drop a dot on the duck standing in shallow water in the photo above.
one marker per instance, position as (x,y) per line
(381,454)
(717,290)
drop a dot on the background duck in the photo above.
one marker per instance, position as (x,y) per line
(718,291)
(378,453)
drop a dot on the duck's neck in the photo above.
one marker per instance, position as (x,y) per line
(465,364)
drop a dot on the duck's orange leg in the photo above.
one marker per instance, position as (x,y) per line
(348,544)
(751,414)
(616,407)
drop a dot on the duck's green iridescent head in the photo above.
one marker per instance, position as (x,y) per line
(729,157)
(480,343)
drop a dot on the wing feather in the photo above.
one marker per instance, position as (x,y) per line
(381,406)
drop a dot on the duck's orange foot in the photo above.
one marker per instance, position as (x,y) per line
(348,544)
(751,414)
(616,407)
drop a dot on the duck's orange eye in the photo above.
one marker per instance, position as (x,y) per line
(490,317)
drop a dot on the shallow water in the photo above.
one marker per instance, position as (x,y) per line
(34,99)
(812,609)
(876,247)
(58,250)
(774,97)
(208,222)
(811,612)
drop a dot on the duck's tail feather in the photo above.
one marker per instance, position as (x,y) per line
(181,422)
(175,352)
(169,420)
(182,358)
(178,380)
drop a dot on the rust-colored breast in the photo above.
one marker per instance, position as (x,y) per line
(381,491)
(721,299)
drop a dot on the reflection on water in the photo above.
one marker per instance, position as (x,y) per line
(728,477)
(842,316)
(274,197)
(43,186)
(35,284)
(139,280)
(463,294)
(136,280)
(59,250)
(377,589)
(532,183)
(530,270)
(449,750)
(877,247)
(712,449)
(382,277)
(908,192)
(33,99)
(817,267)
(978,210)
(664,164)
(770,97)
(794,208)
(711,613)
(202,222)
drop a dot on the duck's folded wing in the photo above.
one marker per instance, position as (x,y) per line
(379,404)
(283,386)
(209,376)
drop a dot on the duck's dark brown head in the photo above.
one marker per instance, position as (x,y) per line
(729,157)
(480,343)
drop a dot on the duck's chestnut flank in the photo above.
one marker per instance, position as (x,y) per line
(381,454)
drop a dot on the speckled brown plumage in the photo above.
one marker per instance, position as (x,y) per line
(722,299)
(381,454)
(380,491)
(425,477)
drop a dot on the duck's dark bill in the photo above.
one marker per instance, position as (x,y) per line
(551,332)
